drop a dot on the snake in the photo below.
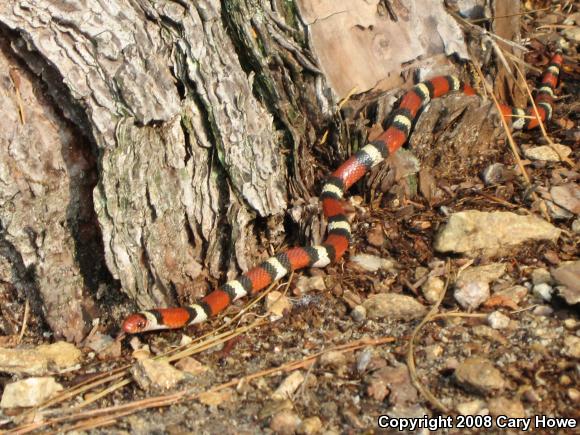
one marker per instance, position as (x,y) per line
(338,231)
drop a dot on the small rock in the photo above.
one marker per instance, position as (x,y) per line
(543,311)
(274,407)
(557,212)
(479,374)
(548,153)
(306,284)
(572,346)
(41,360)
(153,374)
(351,299)
(517,293)
(471,295)
(376,237)
(513,408)
(567,196)
(29,392)
(473,232)
(216,398)
(541,276)
(568,276)
(543,291)
(498,320)
(574,394)
(277,304)
(490,334)
(394,381)
(572,33)
(432,289)
(473,407)
(372,263)
(363,359)
(570,324)
(576,226)
(185,340)
(359,313)
(288,386)
(565,380)
(104,345)
(142,353)
(487,273)
(496,173)
(393,306)
(433,352)
(191,365)
(285,422)
(332,358)
(531,395)
(310,426)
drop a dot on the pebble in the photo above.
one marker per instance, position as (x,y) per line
(513,408)
(43,359)
(487,273)
(471,295)
(567,196)
(543,291)
(29,392)
(216,398)
(393,306)
(479,374)
(433,352)
(495,174)
(568,276)
(473,232)
(572,346)
(576,226)
(570,324)
(285,422)
(306,284)
(372,263)
(191,365)
(541,276)
(310,426)
(573,394)
(543,311)
(531,395)
(517,293)
(142,353)
(548,153)
(288,386)
(490,334)
(565,380)
(277,304)
(432,289)
(359,313)
(498,320)
(153,374)
(363,359)
(473,407)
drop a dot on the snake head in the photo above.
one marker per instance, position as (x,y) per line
(135,323)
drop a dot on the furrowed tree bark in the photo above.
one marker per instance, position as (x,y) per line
(148,149)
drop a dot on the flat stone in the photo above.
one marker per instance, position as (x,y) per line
(567,196)
(29,392)
(191,365)
(548,153)
(285,422)
(43,359)
(568,276)
(479,374)
(277,304)
(372,263)
(572,346)
(394,381)
(513,408)
(393,306)
(153,374)
(541,276)
(473,232)
(473,407)
(486,273)
(216,398)
(307,284)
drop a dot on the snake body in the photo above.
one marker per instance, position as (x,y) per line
(338,229)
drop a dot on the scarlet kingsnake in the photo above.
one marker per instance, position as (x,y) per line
(338,231)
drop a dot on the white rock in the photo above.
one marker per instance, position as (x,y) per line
(567,196)
(432,289)
(29,392)
(544,291)
(277,304)
(153,374)
(498,320)
(471,295)
(359,313)
(372,263)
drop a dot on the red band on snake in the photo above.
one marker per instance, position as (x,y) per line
(338,230)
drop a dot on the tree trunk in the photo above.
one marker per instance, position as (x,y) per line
(147,149)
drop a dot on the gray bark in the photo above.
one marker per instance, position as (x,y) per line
(188,116)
